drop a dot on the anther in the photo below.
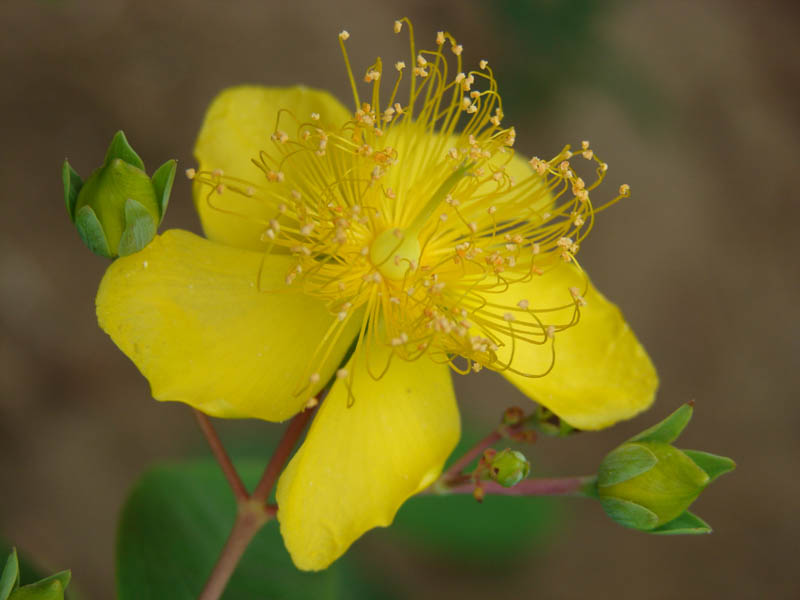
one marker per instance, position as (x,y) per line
(398,26)
(344,35)
(190,173)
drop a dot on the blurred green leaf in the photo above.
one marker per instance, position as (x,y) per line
(174,525)
(492,532)
(561,47)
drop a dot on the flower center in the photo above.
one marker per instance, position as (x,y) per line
(394,253)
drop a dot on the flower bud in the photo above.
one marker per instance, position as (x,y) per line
(118,209)
(509,467)
(648,484)
(49,588)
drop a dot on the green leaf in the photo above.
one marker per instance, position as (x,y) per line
(120,148)
(91,231)
(162,184)
(492,533)
(686,524)
(624,463)
(712,464)
(9,580)
(629,514)
(669,429)
(72,185)
(139,228)
(174,525)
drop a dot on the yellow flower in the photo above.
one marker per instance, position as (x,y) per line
(406,237)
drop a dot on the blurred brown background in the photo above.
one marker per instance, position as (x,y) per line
(694,104)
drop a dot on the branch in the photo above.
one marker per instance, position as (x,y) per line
(281,455)
(564,486)
(239,490)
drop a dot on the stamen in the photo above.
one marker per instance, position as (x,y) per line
(406,217)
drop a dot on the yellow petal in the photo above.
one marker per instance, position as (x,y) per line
(359,464)
(237,126)
(191,316)
(601,375)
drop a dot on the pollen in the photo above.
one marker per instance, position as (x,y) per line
(408,217)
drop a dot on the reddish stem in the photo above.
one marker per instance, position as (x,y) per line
(564,486)
(455,471)
(249,519)
(281,455)
(239,490)
(253,511)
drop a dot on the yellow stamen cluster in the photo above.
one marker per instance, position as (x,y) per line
(407,217)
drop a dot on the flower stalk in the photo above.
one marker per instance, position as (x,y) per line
(252,509)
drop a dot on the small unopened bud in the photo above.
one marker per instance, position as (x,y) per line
(118,209)
(509,467)
(648,484)
(49,588)
(513,415)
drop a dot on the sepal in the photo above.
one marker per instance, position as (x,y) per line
(685,524)
(629,514)
(712,464)
(625,462)
(140,228)
(668,430)
(9,579)
(72,186)
(91,231)
(121,149)
(162,180)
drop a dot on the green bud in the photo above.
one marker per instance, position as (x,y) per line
(509,467)
(119,208)
(648,484)
(50,589)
